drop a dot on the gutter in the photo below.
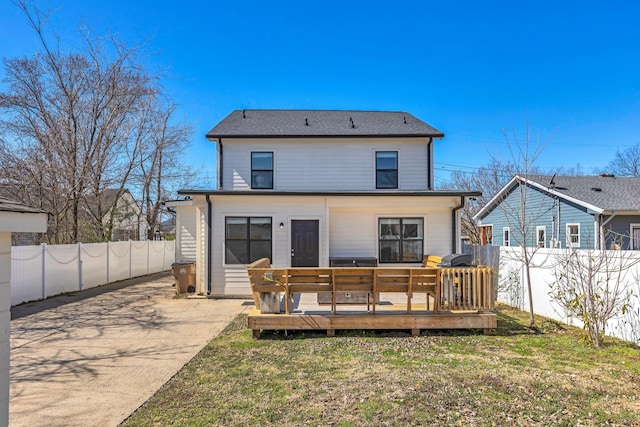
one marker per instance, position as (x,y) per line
(454,223)
(209,238)
(364,193)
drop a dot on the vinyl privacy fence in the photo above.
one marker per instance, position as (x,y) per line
(38,272)
(513,291)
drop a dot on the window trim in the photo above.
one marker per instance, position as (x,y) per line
(632,226)
(396,170)
(568,235)
(247,238)
(263,170)
(400,240)
(542,228)
(507,241)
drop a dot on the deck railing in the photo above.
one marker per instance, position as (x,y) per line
(447,288)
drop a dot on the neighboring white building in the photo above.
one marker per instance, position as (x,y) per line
(122,210)
(302,187)
(14,217)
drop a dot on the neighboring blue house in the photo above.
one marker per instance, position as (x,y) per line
(585,212)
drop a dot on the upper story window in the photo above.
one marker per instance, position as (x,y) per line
(386,169)
(262,170)
(401,239)
(573,235)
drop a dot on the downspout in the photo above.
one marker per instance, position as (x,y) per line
(430,165)
(220,166)
(454,224)
(209,240)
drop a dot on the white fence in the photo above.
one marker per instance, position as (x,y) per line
(38,272)
(512,289)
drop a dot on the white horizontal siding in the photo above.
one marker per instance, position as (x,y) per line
(187,233)
(233,279)
(352,229)
(326,164)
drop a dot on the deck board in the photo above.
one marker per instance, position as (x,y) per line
(393,318)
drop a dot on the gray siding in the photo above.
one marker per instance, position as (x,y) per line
(618,230)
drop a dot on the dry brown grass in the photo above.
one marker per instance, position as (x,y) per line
(512,377)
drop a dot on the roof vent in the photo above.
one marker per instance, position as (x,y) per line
(306,121)
(405,120)
(353,125)
(607,175)
(597,189)
(244,114)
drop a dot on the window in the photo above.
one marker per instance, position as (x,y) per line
(506,236)
(635,237)
(541,233)
(573,235)
(386,169)
(262,170)
(247,239)
(401,239)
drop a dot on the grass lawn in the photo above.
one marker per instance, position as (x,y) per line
(452,378)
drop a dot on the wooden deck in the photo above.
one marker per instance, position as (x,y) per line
(381,320)
(448,298)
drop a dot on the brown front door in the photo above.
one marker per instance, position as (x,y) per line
(304,243)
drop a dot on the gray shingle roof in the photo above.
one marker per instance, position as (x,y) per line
(8,205)
(608,193)
(319,123)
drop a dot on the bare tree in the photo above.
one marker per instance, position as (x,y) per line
(76,124)
(489,180)
(591,285)
(626,163)
(520,211)
(159,164)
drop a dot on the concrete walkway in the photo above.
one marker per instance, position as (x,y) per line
(94,357)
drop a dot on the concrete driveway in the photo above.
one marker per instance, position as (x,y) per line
(94,357)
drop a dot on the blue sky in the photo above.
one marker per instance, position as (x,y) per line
(471,69)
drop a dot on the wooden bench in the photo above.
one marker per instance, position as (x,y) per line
(357,279)
(431,261)
(256,271)
(307,280)
(454,288)
(390,280)
(424,280)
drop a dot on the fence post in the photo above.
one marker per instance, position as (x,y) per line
(44,280)
(130,257)
(148,255)
(79,266)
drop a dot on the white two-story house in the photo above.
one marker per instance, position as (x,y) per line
(304,186)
